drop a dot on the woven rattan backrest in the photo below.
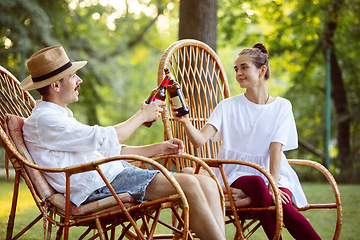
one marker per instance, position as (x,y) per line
(198,70)
(13,99)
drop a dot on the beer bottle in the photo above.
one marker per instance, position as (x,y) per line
(157,94)
(176,95)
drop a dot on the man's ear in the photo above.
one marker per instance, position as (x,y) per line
(55,86)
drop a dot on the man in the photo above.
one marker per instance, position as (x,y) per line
(55,138)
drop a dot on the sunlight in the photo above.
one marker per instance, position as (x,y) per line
(250,12)
(118,4)
(96,16)
(121,8)
(103,2)
(7,42)
(162,24)
(25,202)
(73,4)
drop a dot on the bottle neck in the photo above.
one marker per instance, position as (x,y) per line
(165,82)
(169,75)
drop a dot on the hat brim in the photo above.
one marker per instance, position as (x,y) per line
(28,83)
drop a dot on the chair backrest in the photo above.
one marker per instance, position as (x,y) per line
(16,105)
(198,70)
(14,126)
(13,99)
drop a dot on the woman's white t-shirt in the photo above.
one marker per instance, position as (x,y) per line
(247,129)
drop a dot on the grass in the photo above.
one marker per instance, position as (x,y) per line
(322,220)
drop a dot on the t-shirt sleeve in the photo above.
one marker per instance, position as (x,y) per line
(285,128)
(216,120)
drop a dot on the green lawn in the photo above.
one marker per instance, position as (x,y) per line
(322,220)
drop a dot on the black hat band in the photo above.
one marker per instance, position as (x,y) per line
(52,73)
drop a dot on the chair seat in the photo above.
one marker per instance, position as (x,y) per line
(97,207)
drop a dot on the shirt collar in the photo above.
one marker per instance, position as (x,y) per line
(65,111)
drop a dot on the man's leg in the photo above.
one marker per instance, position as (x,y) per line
(203,214)
(212,196)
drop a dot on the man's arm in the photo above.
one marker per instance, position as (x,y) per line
(173,146)
(147,113)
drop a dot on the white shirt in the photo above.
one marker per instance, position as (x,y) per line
(247,129)
(55,139)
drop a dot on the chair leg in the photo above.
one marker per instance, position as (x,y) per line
(11,220)
(100,229)
(59,232)
(112,234)
(49,228)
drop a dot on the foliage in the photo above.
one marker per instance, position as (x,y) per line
(123,42)
(294,32)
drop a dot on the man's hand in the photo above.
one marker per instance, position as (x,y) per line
(173,146)
(152,111)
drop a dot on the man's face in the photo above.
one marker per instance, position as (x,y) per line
(69,88)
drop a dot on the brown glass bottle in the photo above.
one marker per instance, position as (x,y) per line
(176,95)
(157,94)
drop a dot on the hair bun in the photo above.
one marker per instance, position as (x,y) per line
(261,47)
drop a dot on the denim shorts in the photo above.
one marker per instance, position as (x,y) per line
(132,180)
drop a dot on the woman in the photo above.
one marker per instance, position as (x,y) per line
(257,127)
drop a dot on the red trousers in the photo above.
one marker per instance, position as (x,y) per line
(298,226)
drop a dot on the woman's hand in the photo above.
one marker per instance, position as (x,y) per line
(173,146)
(285,198)
(182,119)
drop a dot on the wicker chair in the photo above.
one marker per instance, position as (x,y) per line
(202,78)
(56,209)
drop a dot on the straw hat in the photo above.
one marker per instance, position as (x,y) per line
(47,66)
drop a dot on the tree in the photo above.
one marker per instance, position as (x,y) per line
(198,20)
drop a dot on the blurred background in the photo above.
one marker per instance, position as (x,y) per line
(311,42)
(314,46)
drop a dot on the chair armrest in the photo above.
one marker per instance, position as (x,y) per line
(278,203)
(218,162)
(199,163)
(335,188)
(324,171)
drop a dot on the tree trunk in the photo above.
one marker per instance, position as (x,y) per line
(198,20)
(338,92)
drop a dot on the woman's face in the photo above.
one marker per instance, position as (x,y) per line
(247,74)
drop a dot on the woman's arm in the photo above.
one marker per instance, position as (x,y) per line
(197,137)
(275,162)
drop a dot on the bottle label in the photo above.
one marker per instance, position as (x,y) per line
(176,102)
(157,100)
(154,99)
